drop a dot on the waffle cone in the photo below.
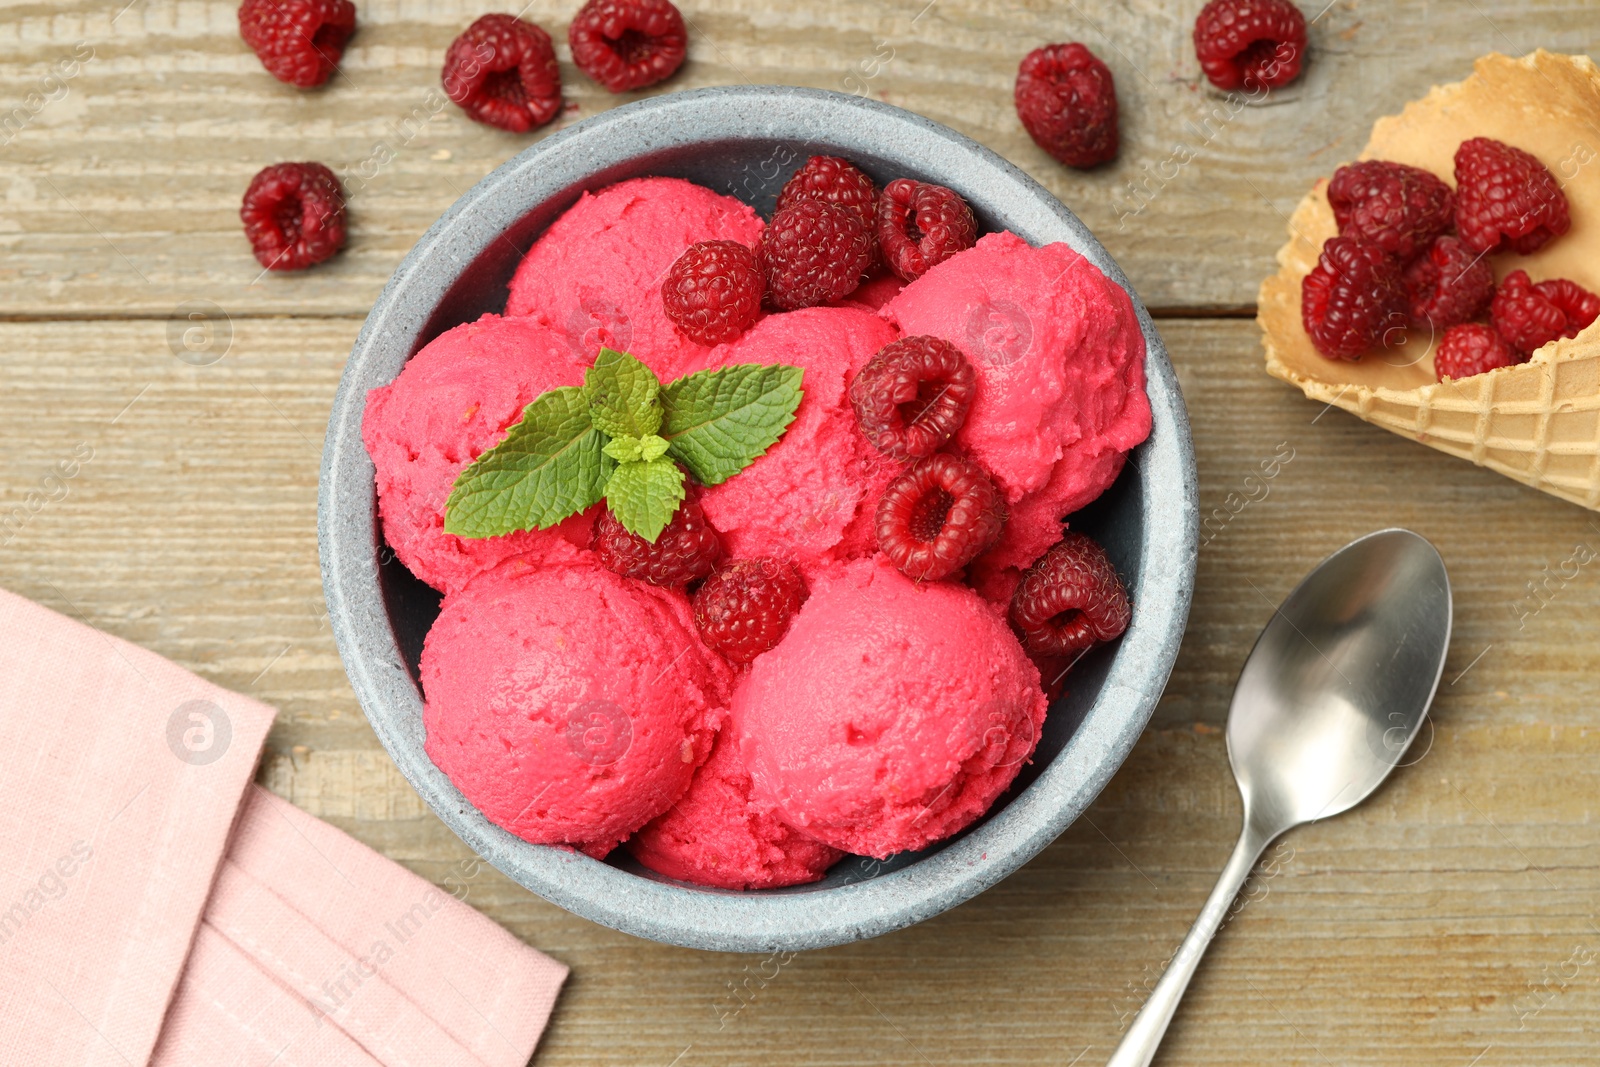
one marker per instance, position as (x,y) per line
(1537,422)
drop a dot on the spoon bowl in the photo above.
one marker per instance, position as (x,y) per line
(1340,680)
(1331,697)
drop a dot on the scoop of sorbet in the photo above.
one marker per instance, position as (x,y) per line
(569,704)
(715,836)
(453,401)
(1059,358)
(812,497)
(891,715)
(595,275)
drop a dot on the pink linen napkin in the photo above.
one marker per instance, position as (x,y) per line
(120,775)
(357,944)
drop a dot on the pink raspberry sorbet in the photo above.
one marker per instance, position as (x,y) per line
(1060,364)
(891,715)
(454,401)
(715,836)
(812,497)
(595,275)
(569,704)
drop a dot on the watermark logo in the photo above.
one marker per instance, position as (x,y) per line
(199,732)
(599,732)
(51,487)
(999,332)
(199,332)
(597,324)
(1256,487)
(1004,742)
(1394,742)
(49,89)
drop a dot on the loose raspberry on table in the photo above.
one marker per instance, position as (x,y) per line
(1400,209)
(628,44)
(1505,198)
(1447,285)
(745,607)
(1472,348)
(1070,599)
(813,252)
(1067,101)
(1353,300)
(938,516)
(913,396)
(502,72)
(293,214)
(298,41)
(921,225)
(1246,44)
(713,291)
(838,181)
(1530,316)
(686,550)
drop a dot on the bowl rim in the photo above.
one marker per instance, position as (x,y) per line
(349,539)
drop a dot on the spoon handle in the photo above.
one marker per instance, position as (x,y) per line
(1139,1045)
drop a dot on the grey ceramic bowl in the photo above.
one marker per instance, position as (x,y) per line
(745,141)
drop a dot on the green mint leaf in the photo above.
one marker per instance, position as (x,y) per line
(549,466)
(624,449)
(644,495)
(653,447)
(721,421)
(624,395)
(634,449)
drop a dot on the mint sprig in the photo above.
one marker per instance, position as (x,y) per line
(624,437)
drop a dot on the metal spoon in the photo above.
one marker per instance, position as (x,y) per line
(1328,702)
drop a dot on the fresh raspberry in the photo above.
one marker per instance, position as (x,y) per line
(1398,208)
(713,291)
(913,396)
(1353,299)
(687,549)
(628,44)
(745,607)
(293,214)
(838,181)
(1070,599)
(922,225)
(938,516)
(502,72)
(1448,284)
(1472,348)
(298,41)
(1242,44)
(1067,102)
(1505,198)
(813,252)
(1530,316)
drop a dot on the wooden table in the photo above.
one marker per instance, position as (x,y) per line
(1447,922)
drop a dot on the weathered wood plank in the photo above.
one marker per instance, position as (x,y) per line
(121,182)
(1448,915)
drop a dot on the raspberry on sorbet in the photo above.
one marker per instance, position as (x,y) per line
(686,550)
(920,225)
(939,516)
